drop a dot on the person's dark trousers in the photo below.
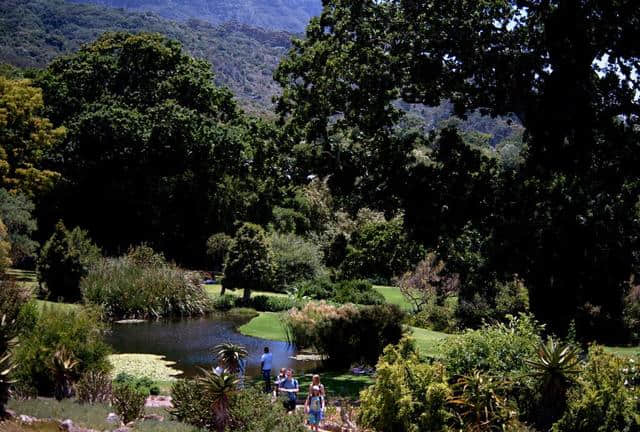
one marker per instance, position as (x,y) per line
(266,376)
(289,405)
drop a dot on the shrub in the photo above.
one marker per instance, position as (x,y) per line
(500,349)
(94,387)
(346,334)
(5,249)
(295,259)
(142,284)
(144,385)
(64,259)
(224,302)
(380,249)
(16,212)
(357,292)
(250,410)
(128,402)
(602,400)
(408,395)
(632,312)
(250,262)
(264,303)
(78,332)
(320,288)
(512,298)
(436,317)
(218,246)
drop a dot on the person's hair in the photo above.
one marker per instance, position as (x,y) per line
(266,349)
(283,370)
(314,378)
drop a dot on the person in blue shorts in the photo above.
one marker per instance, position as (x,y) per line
(314,407)
(291,388)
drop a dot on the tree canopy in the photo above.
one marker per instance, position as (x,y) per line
(567,218)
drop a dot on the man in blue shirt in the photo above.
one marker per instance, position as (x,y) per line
(290,387)
(265,364)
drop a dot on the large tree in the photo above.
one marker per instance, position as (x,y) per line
(25,138)
(156,152)
(567,219)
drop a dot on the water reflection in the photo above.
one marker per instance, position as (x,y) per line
(188,342)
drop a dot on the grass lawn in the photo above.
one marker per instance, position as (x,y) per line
(90,416)
(214,291)
(427,341)
(394,296)
(63,306)
(266,326)
(624,351)
(337,384)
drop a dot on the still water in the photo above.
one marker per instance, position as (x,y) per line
(188,342)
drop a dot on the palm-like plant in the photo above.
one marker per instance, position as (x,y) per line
(64,366)
(6,365)
(556,367)
(230,355)
(481,405)
(219,389)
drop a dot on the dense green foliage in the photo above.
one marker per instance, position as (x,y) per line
(142,284)
(345,334)
(16,211)
(357,291)
(128,402)
(26,137)
(565,219)
(64,260)
(381,251)
(34,32)
(76,332)
(275,14)
(166,148)
(603,399)
(500,349)
(424,391)
(250,409)
(249,263)
(294,259)
(143,384)
(218,246)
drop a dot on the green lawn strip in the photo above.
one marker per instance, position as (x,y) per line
(337,384)
(266,325)
(55,305)
(214,291)
(394,296)
(624,351)
(428,341)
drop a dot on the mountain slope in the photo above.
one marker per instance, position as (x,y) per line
(33,32)
(290,15)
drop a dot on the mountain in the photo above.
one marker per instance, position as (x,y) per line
(34,32)
(289,15)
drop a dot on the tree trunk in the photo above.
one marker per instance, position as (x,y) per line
(247,295)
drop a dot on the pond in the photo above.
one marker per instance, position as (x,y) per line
(188,342)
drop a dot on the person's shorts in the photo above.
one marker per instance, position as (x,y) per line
(289,404)
(315,417)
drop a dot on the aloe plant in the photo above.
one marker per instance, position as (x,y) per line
(230,355)
(64,367)
(220,389)
(555,368)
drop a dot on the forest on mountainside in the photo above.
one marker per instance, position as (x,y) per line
(289,15)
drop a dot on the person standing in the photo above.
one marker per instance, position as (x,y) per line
(291,388)
(315,382)
(280,379)
(314,406)
(265,364)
